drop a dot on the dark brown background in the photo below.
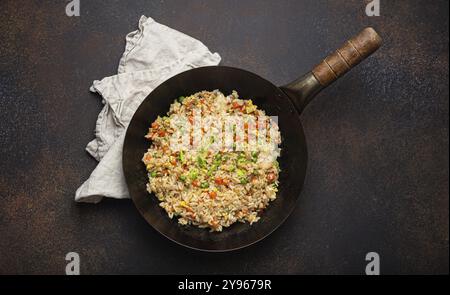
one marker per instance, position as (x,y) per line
(378,139)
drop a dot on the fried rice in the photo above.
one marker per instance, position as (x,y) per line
(213,187)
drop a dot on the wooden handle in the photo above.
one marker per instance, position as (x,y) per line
(352,53)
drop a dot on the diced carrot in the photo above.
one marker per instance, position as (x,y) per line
(222,181)
(213,223)
(236,105)
(147,157)
(212,194)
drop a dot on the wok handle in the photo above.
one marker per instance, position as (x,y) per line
(355,50)
(349,55)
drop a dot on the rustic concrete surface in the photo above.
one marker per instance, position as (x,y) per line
(378,139)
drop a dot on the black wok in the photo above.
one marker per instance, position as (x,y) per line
(286,102)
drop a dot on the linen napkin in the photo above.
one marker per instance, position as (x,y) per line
(153,53)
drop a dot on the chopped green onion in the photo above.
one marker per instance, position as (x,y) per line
(217,159)
(213,169)
(193,174)
(241,159)
(182,157)
(277,165)
(202,152)
(183,177)
(244,181)
(181,99)
(255,156)
(201,162)
(241,173)
(230,168)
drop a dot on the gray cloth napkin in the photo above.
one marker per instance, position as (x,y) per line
(153,53)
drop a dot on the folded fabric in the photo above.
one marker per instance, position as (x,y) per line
(153,53)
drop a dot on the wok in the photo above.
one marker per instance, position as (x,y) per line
(286,102)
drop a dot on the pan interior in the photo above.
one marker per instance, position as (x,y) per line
(293,158)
